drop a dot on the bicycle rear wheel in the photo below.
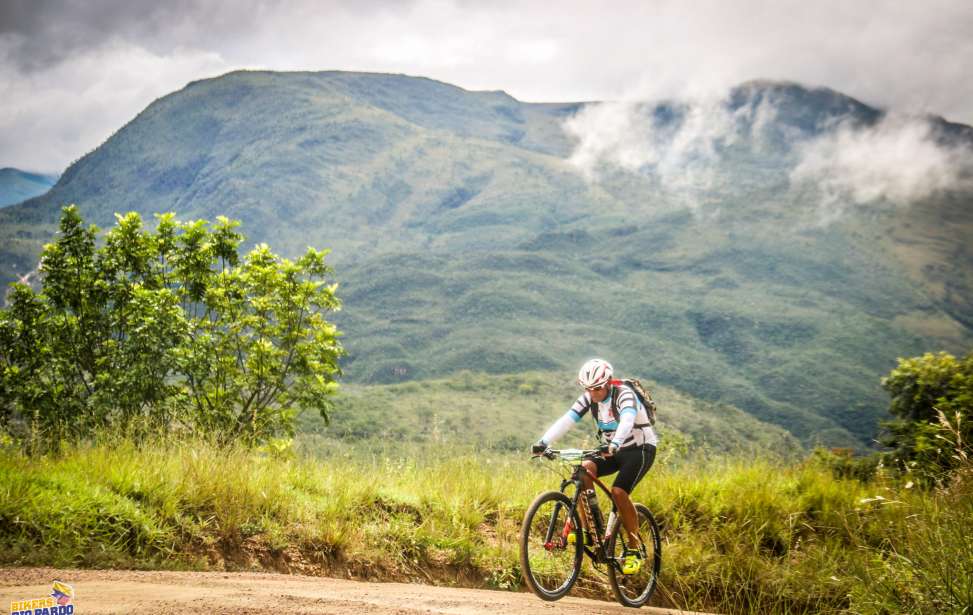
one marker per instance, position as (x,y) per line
(634,590)
(549,561)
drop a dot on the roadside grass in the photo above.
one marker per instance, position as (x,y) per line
(742,535)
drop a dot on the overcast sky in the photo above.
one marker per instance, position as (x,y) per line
(73,72)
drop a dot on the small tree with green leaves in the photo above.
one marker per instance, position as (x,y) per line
(932,398)
(259,349)
(93,349)
(29,396)
(167,329)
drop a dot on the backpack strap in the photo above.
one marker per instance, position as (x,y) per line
(614,405)
(616,393)
(593,411)
(593,405)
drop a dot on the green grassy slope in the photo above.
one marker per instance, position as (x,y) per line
(471,411)
(464,241)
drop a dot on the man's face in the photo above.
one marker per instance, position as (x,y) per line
(598,393)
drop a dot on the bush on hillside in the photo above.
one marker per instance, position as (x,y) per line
(151,331)
(932,398)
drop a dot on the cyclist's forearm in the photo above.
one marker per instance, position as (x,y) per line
(560,427)
(625,423)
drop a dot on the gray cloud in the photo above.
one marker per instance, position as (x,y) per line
(40,33)
(914,57)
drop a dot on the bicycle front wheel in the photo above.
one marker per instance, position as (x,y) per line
(550,559)
(634,590)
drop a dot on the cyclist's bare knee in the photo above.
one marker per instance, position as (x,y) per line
(620,494)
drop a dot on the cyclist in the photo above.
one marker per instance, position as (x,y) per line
(628,443)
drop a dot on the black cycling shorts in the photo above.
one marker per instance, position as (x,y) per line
(631,464)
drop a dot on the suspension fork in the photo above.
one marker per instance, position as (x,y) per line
(576,504)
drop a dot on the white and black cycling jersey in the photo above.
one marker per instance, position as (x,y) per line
(631,428)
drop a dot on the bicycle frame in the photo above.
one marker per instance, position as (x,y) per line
(602,535)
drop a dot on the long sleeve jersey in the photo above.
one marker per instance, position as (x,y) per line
(632,428)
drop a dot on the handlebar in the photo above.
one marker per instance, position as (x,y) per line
(571,454)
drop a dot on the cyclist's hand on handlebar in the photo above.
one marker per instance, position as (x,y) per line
(538,448)
(608,450)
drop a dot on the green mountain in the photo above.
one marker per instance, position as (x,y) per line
(464,240)
(17,185)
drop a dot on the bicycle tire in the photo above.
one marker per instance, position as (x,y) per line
(541,565)
(636,590)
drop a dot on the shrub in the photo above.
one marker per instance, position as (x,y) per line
(164,329)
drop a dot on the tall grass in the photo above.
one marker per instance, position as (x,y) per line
(741,535)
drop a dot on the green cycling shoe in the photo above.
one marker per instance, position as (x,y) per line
(631,561)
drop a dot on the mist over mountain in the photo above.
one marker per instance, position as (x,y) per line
(775,249)
(17,185)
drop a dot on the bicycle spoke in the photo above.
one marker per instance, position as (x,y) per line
(550,560)
(636,589)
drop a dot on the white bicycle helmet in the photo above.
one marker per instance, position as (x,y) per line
(595,373)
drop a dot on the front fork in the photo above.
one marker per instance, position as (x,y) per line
(568,525)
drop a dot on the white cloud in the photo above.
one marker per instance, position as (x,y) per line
(683,155)
(894,163)
(614,133)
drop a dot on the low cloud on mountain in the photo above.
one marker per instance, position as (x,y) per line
(842,162)
(680,146)
(896,162)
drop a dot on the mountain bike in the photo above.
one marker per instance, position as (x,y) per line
(559,530)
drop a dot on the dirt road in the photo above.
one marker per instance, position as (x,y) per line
(122,591)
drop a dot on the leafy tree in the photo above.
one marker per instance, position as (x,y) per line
(27,391)
(932,398)
(260,349)
(153,331)
(93,349)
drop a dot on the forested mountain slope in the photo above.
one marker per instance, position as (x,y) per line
(470,232)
